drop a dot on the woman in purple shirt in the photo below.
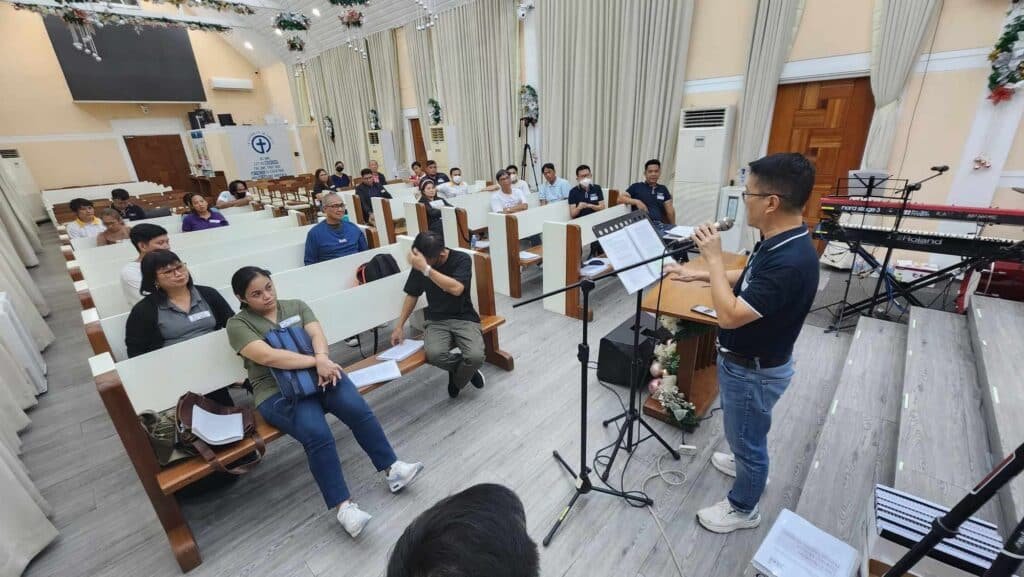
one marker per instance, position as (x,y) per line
(201,217)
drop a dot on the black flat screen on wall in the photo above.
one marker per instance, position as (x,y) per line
(155,66)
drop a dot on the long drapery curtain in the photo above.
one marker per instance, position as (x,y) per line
(771,39)
(898,32)
(341,87)
(23,231)
(611,84)
(420,45)
(476,46)
(386,90)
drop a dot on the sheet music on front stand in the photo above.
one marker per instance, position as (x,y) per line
(630,239)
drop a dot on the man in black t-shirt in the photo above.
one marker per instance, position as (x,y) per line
(586,198)
(368,190)
(431,174)
(652,197)
(446,276)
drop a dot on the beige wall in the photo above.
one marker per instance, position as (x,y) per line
(832,28)
(310,138)
(406,87)
(719,38)
(62,164)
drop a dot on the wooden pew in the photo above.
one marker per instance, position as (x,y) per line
(173,225)
(506,230)
(468,216)
(564,243)
(144,383)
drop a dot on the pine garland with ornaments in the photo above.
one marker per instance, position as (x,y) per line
(100,18)
(349,2)
(1008,58)
(664,370)
(291,21)
(296,44)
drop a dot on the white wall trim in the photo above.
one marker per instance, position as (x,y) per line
(1010,178)
(411,112)
(720,84)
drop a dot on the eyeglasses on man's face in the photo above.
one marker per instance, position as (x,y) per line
(334,205)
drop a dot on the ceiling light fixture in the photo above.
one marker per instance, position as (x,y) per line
(248,45)
(278,32)
(316,12)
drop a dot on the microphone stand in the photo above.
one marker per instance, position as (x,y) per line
(583,484)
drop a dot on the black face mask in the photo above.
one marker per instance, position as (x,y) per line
(340,169)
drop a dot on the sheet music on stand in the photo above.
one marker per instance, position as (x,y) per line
(627,240)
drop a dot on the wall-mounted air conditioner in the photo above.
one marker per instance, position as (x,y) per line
(702,162)
(233,84)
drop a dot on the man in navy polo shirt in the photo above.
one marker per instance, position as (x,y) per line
(761,310)
(652,197)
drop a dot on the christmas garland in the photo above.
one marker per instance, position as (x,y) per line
(352,19)
(1008,59)
(291,21)
(663,386)
(100,18)
(296,44)
(435,112)
(218,5)
(529,108)
(349,2)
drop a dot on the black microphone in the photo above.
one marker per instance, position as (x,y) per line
(688,243)
(940,169)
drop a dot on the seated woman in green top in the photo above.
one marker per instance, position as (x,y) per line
(306,420)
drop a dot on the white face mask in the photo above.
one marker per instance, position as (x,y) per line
(457,179)
(586,182)
(513,177)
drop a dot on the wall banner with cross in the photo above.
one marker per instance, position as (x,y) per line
(261,152)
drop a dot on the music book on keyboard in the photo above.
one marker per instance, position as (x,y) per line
(217,429)
(403,351)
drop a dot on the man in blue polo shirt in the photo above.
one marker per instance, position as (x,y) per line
(652,197)
(761,310)
(334,237)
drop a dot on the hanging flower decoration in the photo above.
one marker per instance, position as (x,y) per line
(218,5)
(296,44)
(374,119)
(352,19)
(100,17)
(349,2)
(529,110)
(329,127)
(1008,59)
(291,21)
(435,112)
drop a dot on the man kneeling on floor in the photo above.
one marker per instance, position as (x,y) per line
(451,319)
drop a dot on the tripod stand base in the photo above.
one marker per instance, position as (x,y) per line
(633,416)
(583,485)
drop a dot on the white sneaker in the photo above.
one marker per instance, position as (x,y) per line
(724,462)
(723,518)
(353,519)
(402,474)
(352,341)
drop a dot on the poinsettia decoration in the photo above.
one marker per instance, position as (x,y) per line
(352,19)
(1008,58)
(291,21)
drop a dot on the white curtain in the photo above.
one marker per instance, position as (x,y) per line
(611,84)
(341,87)
(386,89)
(23,292)
(898,31)
(476,47)
(771,39)
(420,45)
(23,231)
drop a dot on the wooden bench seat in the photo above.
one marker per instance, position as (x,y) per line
(506,231)
(183,473)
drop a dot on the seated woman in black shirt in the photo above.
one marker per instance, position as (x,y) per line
(433,204)
(174,310)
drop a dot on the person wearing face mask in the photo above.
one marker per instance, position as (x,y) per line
(237,194)
(446,276)
(339,179)
(652,197)
(455,187)
(586,198)
(517,184)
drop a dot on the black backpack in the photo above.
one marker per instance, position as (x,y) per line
(380,266)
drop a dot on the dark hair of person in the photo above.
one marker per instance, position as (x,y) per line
(499,174)
(319,186)
(414,164)
(511,167)
(338,163)
(423,184)
(580,168)
(233,187)
(152,263)
(79,203)
(242,278)
(480,531)
(548,165)
(430,244)
(145,232)
(453,169)
(365,172)
(431,163)
(789,175)
(119,194)
(191,195)
(652,162)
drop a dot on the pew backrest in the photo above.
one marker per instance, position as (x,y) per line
(173,225)
(506,230)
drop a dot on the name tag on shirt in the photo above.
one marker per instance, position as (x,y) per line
(199,316)
(214,221)
(436,203)
(342,240)
(660,196)
(593,198)
(290,321)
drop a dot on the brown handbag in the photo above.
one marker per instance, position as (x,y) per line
(188,438)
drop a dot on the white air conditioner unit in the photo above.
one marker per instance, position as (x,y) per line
(18,173)
(439,148)
(381,147)
(235,84)
(702,162)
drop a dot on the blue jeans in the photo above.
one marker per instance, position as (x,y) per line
(308,425)
(748,396)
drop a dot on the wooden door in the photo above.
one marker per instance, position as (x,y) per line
(161,159)
(828,123)
(418,147)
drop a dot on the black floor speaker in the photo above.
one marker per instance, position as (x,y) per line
(615,354)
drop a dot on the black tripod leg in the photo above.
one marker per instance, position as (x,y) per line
(673,452)
(613,419)
(564,464)
(562,516)
(618,444)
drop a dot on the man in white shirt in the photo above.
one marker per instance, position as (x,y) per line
(455,187)
(552,188)
(146,238)
(86,224)
(507,199)
(520,185)
(237,194)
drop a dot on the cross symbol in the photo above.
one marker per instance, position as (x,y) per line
(260,144)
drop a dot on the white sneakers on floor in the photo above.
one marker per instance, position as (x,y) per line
(723,518)
(402,474)
(725,463)
(353,519)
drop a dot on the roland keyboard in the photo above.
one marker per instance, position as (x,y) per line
(919,240)
(837,205)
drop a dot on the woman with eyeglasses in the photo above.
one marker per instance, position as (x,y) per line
(174,310)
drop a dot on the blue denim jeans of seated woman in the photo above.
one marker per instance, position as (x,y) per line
(307,423)
(748,396)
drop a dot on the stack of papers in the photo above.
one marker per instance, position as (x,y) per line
(217,429)
(483,243)
(403,351)
(379,373)
(593,267)
(794,546)
(680,231)
(525,256)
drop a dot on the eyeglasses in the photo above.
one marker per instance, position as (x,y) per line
(173,270)
(338,205)
(746,194)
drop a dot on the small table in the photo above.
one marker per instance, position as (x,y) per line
(697,376)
